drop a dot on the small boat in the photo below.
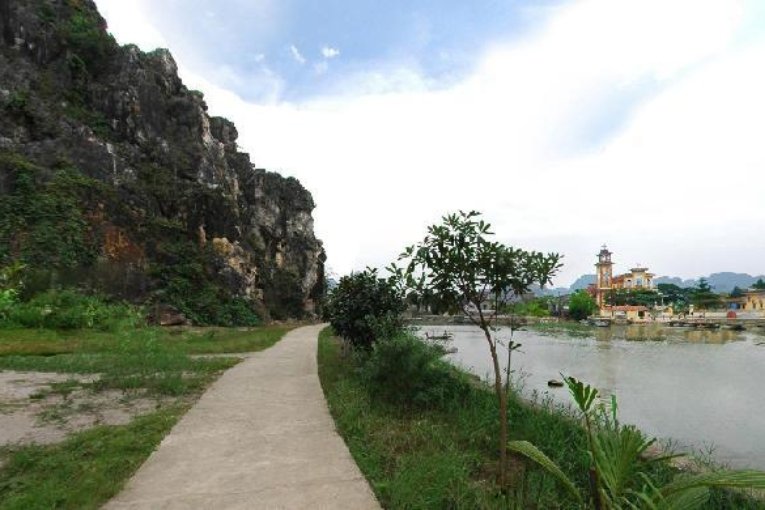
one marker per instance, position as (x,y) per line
(554,383)
(444,336)
(450,350)
(599,322)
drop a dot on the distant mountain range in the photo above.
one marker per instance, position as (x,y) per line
(720,282)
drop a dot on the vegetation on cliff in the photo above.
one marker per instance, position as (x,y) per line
(114,179)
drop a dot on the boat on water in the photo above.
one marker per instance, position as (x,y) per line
(599,322)
(446,335)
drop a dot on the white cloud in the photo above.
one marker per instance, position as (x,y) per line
(129,23)
(299,58)
(329,52)
(673,184)
(321,67)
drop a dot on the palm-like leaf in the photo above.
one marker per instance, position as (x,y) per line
(533,453)
(617,455)
(739,479)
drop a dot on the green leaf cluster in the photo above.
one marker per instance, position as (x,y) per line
(85,33)
(458,263)
(581,305)
(68,309)
(363,307)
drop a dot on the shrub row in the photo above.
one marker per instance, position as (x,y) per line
(68,309)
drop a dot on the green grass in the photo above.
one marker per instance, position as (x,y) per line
(226,340)
(46,342)
(439,458)
(445,458)
(91,466)
(84,471)
(156,360)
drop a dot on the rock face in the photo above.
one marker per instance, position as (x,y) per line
(161,195)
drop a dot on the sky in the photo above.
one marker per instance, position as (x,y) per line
(568,123)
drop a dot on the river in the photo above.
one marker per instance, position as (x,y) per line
(704,390)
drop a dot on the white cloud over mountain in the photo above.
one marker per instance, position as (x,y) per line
(632,123)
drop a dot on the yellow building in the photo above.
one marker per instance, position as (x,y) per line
(754,301)
(605,281)
(626,312)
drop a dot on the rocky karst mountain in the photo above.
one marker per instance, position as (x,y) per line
(113,175)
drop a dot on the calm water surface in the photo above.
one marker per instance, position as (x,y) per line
(701,389)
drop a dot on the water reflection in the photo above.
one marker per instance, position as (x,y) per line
(652,333)
(694,386)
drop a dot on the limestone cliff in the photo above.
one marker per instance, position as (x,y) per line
(113,175)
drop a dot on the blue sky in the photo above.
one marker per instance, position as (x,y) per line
(569,123)
(303,49)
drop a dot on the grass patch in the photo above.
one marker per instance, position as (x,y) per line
(48,342)
(442,457)
(92,466)
(84,471)
(445,456)
(226,340)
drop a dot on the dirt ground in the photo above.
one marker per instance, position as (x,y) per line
(44,408)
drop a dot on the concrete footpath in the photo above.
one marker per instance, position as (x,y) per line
(260,437)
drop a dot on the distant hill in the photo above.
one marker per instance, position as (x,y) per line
(720,282)
(582,282)
(676,281)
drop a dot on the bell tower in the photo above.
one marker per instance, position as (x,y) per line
(604,275)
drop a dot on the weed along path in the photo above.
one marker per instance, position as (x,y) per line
(260,437)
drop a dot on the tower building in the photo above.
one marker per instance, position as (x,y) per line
(604,275)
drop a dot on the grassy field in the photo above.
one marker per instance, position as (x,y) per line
(92,465)
(445,458)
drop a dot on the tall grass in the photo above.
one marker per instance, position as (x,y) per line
(69,309)
(444,455)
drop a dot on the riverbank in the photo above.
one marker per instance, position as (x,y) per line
(445,457)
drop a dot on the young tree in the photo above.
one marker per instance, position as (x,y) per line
(759,284)
(703,297)
(457,261)
(581,305)
(674,295)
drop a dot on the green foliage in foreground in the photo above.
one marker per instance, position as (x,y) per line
(441,456)
(409,373)
(619,474)
(361,305)
(86,470)
(445,456)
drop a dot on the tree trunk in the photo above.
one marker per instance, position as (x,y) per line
(502,398)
